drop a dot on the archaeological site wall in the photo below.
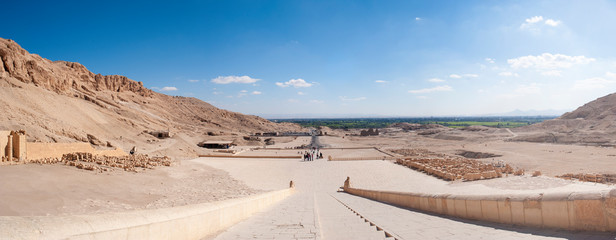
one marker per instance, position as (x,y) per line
(13,147)
(56,150)
(594,211)
(184,222)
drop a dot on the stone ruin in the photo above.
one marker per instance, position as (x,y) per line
(91,162)
(369,132)
(452,168)
(588,177)
(12,146)
(160,134)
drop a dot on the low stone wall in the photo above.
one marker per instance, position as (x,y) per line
(184,222)
(242,156)
(37,150)
(572,211)
(381,158)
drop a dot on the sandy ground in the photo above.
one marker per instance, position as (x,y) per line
(550,159)
(34,190)
(272,174)
(62,190)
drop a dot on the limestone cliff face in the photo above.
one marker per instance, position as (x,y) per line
(594,123)
(60,76)
(63,101)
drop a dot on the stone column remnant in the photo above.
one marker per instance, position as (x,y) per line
(9,148)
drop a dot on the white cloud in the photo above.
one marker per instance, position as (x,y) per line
(532,88)
(243,91)
(490,60)
(418,19)
(256,93)
(508,74)
(317,101)
(610,74)
(301,93)
(552,22)
(534,19)
(167,89)
(434,89)
(291,100)
(548,61)
(592,84)
(346,99)
(435,80)
(457,76)
(530,22)
(551,73)
(421,97)
(296,83)
(234,79)
(217,93)
(533,23)
(193,80)
(381,81)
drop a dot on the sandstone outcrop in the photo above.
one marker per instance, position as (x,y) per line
(594,123)
(59,101)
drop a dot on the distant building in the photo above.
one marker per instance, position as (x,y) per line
(216,144)
(369,132)
(160,134)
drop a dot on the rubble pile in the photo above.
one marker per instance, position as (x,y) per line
(452,168)
(91,162)
(585,177)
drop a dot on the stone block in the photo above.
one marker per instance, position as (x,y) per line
(517,212)
(589,215)
(473,209)
(555,214)
(460,208)
(532,212)
(489,210)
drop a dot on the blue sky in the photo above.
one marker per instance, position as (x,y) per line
(336,58)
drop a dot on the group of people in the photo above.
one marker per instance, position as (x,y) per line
(312,153)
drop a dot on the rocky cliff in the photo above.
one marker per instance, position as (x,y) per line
(594,123)
(59,101)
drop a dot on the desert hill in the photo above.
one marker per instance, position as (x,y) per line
(594,123)
(58,101)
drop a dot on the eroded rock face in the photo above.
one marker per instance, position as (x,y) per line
(59,101)
(60,76)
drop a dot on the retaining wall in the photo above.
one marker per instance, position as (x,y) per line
(572,211)
(36,150)
(185,222)
(247,156)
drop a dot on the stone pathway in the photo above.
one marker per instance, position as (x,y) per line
(304,216)
(317,211)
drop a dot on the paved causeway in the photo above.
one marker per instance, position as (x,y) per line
(318,211)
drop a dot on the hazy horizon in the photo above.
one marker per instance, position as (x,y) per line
(393,58)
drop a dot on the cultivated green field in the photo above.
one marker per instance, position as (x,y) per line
(453,122)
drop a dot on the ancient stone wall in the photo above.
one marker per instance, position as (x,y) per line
(197,221)
(56,150)
(4,138)
(592,211)
(19,145)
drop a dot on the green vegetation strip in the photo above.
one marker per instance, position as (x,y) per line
(453,122)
